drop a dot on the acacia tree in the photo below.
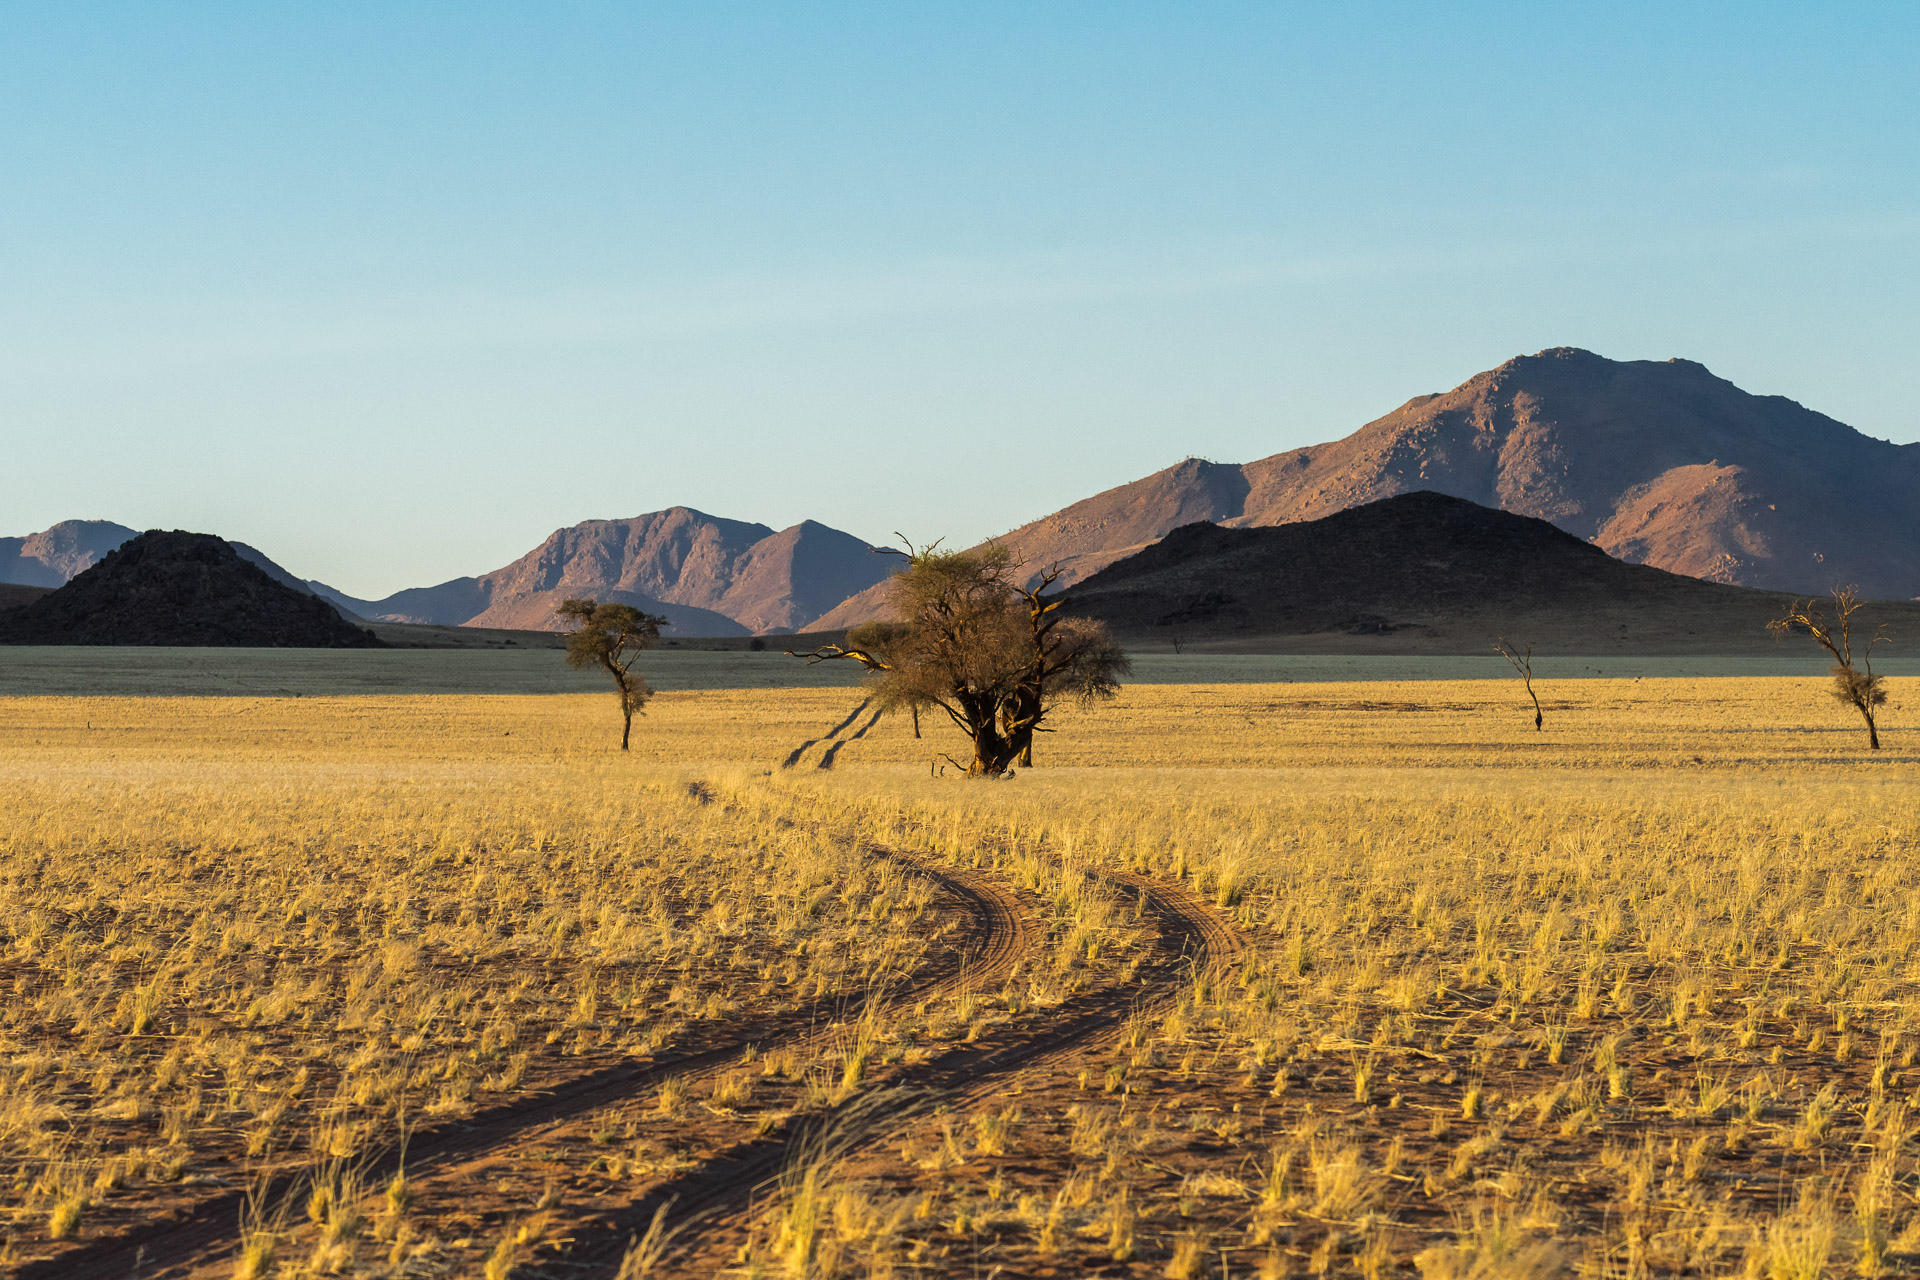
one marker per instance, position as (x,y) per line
(995,655)
(1857,686)
(611,636)
(1522,662)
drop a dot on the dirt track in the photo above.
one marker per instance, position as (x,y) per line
(715,1195)
(201,1239)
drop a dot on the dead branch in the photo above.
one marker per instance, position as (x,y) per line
(1522,663)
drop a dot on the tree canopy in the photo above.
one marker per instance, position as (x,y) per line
(995,655)
(611,637)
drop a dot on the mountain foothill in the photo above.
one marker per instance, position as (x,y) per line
(1653,463)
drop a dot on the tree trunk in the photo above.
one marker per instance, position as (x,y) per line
(986,751)
(992,753)
(1873,734)
(916,720)
(1023,720)
(1020,744)
(626,730)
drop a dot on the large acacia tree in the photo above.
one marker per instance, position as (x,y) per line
(996,655)
(1832,627)
(611,637)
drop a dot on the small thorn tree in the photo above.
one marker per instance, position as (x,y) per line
(1522,661)
(995,655)
(1832,627)
(611,636)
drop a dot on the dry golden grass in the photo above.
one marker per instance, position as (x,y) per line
(245,934)
(1633,996)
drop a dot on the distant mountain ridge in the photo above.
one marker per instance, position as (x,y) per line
(1656,462)
(708,575)
(53,556)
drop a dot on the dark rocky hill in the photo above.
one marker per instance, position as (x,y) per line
(15,594)
(1422,566)
(180,589)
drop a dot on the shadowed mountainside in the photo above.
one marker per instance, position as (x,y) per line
(15,594)
(707,575)
(179,589)
(1439,569)
(1656,462)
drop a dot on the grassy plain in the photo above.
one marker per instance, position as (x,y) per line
(1636,995)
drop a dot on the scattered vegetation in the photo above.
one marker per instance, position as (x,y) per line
(1635,1000)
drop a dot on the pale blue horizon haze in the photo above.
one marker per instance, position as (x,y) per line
(392,291)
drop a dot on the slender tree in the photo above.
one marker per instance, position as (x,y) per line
(1832,627)
(1522,661)
(995,655)
(611,637)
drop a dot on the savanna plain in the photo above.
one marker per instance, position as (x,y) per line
(1242,979)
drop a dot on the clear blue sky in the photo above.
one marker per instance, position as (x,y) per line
(392,290)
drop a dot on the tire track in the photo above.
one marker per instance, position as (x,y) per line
(998,931)
(1190,934)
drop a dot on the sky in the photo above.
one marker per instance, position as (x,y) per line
(392,290)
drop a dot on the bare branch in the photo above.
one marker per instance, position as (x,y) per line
(1831,627)
(829,652)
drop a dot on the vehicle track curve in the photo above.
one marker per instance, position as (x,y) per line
(200,1238)
(1190,934)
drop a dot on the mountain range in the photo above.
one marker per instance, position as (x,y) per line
(706,575)
(1655,462)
